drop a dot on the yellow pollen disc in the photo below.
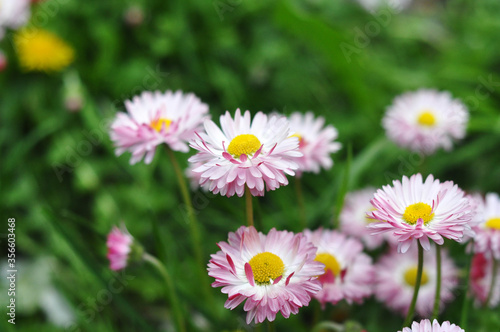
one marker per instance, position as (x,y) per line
(330,262)
(493,223)
(158,124)
(243,144)
(411,277)
(266,266)
(368,220)
(299,136)
(426,118)
(417,211)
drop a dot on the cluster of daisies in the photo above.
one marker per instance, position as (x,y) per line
(282,271)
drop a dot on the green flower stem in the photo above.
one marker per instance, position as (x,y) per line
(493,279)
(437,297)
(465,304)
(270,327)
(420,266)
(170,293)
(300,201)
(249,208)
(327,325)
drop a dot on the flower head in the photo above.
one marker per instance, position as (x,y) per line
(119,246)
(353,219)
(418,210)
(487,237)
(425,325)
(41,50)
(348,273)
(245,153)
(3,61)
(425,120)
(154,118)
(316,142)
(273,273)
(480,280)
(13,14)
(396,276)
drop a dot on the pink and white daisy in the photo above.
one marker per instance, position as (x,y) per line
(273,273)
(480,280)
(316,142)
(119,246)
(425,325)
(348,273)
(487,237)
(353,219)
(155,118)
(417,210)
(396,276)
(245,153)
(13,14)
(425,120)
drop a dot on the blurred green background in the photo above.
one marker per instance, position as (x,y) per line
(62,182)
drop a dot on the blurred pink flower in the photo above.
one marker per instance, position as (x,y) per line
(13,14)
(396,277)
(480,280)
(155,118)
(315,141)
(348,273)
(3,61)
(119,246)
(425,325)
(417,210)
(487,237)
(273,273)
(425,120)
(245,153)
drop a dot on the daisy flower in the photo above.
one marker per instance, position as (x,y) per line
(418,210)
(154,118)
(487,237)
(119,247)
(348,273)
(316,142)
(272,273)
(480,280)
(41,50)
(425,120)
(425,325)
(353,219)
(396,276)
(13,14)
(245,153)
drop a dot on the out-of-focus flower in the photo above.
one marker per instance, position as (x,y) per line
(41,50)
(316,142)
(245,153)
(396,276)
(273,273)
(348,273)
(3,61)
(425,120)
(425,325)
(119,245)
(73,92)
(13,14)
(418,210)
(487,237)
(155,118)
(353,220)
(134,15)
(480,280)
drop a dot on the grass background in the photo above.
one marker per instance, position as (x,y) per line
(270,56)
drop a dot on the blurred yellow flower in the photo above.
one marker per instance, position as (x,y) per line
(40,50)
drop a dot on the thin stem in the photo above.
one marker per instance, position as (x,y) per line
(300,201)
(465,304)
(170,293)
(493,279)
(270,326)
(327,325)
(249,208)
(420,266)
(437,297)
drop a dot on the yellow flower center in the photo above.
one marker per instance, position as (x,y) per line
(41,50)
(158,124)
(417,211)
(493,223)
(266,266)
(299,136)
(243,144)
(330,262)
(426,118)
(368,220)
(411,277)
